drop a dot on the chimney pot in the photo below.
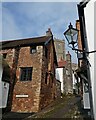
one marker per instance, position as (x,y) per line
(48,32)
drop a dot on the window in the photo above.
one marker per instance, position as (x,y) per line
(33,49)
(86,87)
(4,55)
(26,74)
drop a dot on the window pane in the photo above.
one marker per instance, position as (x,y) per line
(4,55)
(26,74)
(33,49)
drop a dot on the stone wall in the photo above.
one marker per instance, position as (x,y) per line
(58,88)
(69,79)
(60,49)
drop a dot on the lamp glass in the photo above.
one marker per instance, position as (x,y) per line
(72,36)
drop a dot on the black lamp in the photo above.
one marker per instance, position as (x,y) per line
(72,36)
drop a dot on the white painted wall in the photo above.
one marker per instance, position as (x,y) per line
(89,20)
(0,86)
(74,81)
(4,89)
(59,76)
(86,100)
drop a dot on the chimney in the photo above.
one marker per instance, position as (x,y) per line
(48,32)
(68,53)
(68,56)
(79,34)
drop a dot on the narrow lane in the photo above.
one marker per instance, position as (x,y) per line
(67,107)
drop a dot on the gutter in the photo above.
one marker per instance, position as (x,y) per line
(48,40)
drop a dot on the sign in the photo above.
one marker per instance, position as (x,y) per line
(21,96)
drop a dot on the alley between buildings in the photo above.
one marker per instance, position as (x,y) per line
(66,107)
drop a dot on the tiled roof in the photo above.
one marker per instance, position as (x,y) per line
(61,63)
(24,42)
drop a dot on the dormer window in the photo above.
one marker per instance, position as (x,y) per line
(33,49)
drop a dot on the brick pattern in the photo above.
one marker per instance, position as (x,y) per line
(38,93)
(80,47)
(30,88)
(48,91)
(79,34)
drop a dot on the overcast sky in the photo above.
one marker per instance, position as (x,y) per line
(32,19)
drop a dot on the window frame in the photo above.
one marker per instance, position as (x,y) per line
(33,49)
(4,55)
(24,74)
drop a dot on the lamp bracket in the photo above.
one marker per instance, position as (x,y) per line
(83,51)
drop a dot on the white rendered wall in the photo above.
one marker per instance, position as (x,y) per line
(89,21)
(59,76)
(4,89)
(0,85)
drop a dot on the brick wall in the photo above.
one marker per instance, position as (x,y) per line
(38,93)
(17,58)
(48,88)
(79,34)
(30,88)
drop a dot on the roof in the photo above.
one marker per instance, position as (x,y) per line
(61,63)
(24,42)
(28,42)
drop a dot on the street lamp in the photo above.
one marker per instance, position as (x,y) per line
(72,36)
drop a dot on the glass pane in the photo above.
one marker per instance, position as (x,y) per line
(32,49)
(69,38)
(75,37)
(26,74)
(29,74)
(71,32)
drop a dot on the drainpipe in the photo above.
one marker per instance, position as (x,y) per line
(81,6)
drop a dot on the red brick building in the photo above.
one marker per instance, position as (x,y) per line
(32,77)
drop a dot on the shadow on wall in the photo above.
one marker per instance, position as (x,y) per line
(11,72)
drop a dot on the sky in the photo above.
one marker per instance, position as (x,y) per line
(32,19)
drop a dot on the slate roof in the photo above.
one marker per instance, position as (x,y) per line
(24,42)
